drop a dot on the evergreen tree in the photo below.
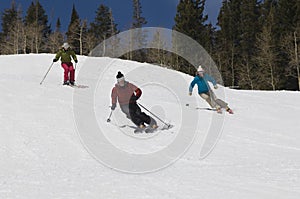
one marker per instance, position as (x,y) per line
(229,20)
(58,25)
(9,17)
(191,21)
(239,25)
(297,16)
(285,16)
(103,26)
(138,20)
(249,27)
(12,27)
(36,22)
(286,23)
(137,40)
(267,76)
(73,33)
(290,53)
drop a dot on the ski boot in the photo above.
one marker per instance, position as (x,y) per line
(229,110)
(151,129)
(219,110)
(140,128)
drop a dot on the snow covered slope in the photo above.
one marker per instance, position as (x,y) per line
(50,149)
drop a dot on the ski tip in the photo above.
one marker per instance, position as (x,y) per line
(166,127)
(170,126)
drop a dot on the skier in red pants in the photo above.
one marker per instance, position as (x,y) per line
(65,53)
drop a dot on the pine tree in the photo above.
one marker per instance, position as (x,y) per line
(296,44)
(285,16)
(73,33)
(224,43)
(239,25)
(9,17)
(58,25)
(266,58)
(290,52)
(103,26)
(138,20)
(249,27)
(228,38)
(191,21)
(137,40)
(36,22)
(12,27)
(286,25)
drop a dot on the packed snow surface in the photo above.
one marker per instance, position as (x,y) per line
(44,153)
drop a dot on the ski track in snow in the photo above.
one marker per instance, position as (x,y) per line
(41,155)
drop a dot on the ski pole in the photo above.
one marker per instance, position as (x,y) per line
(108,119)
(168,125)
(46,73)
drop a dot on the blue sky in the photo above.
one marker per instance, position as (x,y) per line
(162,15)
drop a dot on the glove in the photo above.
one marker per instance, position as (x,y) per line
(55,60)
(76,61)
(216,86)
(113,106)
(190,94)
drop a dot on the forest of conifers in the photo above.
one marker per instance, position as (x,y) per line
(255,43)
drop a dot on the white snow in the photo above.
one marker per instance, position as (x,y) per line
(49,149)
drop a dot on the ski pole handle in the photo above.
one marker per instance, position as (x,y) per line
(108,119)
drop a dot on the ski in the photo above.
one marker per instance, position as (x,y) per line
(208,109)
(76,86)
(138,130)
(213,109)
(149,129)
(144,130)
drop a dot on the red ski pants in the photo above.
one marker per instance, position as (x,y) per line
(69,72)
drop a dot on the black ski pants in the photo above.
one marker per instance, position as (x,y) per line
(134,112)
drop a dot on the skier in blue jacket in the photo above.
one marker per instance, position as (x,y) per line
(204,90)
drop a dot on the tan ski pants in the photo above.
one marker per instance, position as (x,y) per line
(213,101)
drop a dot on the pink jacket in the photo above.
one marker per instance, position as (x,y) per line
(123,94)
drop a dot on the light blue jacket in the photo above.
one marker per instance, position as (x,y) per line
(202,83)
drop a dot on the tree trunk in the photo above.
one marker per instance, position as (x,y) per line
(249,76)
(80,39)
(37,38)
(104,46)
(272,77)
(296,59)
(232,67)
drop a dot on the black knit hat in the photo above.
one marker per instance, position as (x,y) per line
(119,75)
